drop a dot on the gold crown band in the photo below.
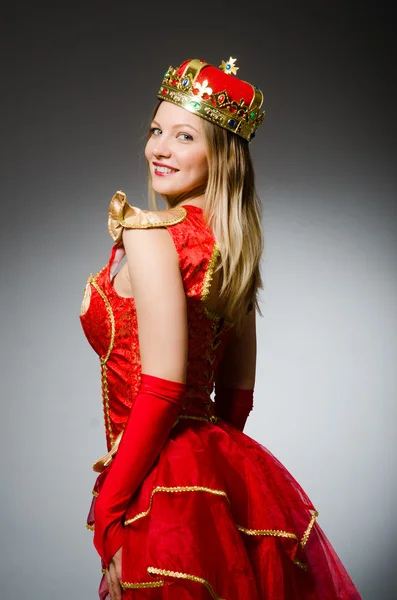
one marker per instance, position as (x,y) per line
(216,107)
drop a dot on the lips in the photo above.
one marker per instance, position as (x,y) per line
(162,170)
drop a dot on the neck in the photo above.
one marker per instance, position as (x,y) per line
(197,194)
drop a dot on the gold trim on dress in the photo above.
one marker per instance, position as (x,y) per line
(111,317)
(105,396)
(122,215)
(103,359)
(211,314)
(252,532)
(267,532)
(138,586)
(145,584)
(180,488)
(261,532)
(85,304)
(178,575)
(300,564)
(211,419)
(305,536)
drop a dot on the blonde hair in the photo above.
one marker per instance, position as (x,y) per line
(233,212)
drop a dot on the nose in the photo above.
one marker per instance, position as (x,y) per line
(161,147)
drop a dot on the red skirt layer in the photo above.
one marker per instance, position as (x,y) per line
(218,516)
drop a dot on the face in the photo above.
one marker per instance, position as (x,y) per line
(176,153)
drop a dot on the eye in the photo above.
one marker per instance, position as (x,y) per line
(185,136)
(155,131)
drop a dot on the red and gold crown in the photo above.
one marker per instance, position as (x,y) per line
(214,95)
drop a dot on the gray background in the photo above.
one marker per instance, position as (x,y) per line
(79,84)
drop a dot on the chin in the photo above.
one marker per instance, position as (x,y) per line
(167,190)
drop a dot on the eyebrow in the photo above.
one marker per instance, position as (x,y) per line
(178,125)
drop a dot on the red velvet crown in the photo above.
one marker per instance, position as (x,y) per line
(215,95)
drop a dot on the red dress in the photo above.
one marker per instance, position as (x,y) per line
(217,515)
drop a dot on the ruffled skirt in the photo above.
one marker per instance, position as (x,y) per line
(218,516)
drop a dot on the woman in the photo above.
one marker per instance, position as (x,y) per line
(186,505)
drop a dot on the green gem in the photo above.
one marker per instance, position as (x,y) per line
(195,105)
(252,115)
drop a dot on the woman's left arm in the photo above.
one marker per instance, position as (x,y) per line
(160,302)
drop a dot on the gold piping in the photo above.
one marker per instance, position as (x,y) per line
(267,532)
(179,575)
(300,564)
(308,530)
(263,532)
(209,273)
(149,224)
(103,359)
(211,314)
(136,586)
(122,215)
(212,419)
(94,493)
(105,393)
(179,488)
(85,303)
(111,317)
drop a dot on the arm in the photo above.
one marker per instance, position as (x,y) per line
(235,376)
(160,303)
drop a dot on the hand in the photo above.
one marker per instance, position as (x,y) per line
(113,576)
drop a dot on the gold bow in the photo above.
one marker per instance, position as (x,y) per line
(100,464)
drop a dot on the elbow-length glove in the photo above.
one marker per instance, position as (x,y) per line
(233,405)
(149,423)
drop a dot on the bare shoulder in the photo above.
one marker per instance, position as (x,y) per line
(150,247)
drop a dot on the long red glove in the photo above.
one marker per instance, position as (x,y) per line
(150,420)
(233,405)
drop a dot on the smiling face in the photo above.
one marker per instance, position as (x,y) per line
(176,154)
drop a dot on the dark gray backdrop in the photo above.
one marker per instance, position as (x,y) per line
(79,83)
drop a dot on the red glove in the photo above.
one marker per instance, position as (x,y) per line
(149,423)
(233,405)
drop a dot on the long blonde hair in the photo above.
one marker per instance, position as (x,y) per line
(233,212)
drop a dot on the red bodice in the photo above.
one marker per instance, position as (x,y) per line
(110,325)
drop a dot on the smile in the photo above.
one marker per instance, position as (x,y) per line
(161,170)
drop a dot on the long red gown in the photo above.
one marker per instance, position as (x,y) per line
(217,515)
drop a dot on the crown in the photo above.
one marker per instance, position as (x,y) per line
(214,95)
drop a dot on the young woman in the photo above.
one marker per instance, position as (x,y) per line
(186,505)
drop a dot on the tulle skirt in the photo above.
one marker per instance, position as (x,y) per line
(218,516)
